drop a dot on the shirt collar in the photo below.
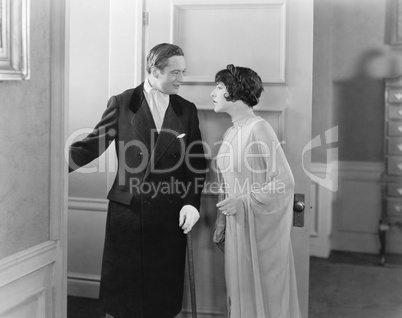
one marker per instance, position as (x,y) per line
(163,97)
(147,86)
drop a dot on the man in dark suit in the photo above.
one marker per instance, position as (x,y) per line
(155,198)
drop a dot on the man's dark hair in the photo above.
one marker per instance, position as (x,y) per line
(159,55)
(241,83)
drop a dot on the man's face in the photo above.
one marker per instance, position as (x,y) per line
(170,78)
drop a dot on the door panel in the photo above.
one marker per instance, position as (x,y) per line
(27,282)
(265,24)
(275,38)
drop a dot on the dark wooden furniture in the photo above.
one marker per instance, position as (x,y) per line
(392,179)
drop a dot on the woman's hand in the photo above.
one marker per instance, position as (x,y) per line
(227,206)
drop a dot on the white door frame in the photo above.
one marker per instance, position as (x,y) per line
(58,168)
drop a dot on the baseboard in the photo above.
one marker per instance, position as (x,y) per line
(83,285)
(320,248)
(86,285)
(203,312)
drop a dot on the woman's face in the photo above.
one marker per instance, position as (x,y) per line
(219,98)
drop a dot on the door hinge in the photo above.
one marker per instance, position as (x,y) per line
(145,18)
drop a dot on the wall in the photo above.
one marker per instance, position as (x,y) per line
(322,71)
(32,254)
(350,61)
(360,61)
(24,144)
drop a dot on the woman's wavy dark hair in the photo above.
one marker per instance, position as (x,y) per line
(241,83)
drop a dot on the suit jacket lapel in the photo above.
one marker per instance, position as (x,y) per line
(171,128)
(142,120)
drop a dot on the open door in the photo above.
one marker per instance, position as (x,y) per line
(274,37)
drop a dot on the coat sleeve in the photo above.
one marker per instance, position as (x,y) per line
(91,147)
(195,165)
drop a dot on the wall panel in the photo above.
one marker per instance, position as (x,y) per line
(248,21)
(357,210)
(26,282)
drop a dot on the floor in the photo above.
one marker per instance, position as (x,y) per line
(346,285)
(354,286)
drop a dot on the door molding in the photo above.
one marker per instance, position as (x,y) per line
(58,167)
(184,21)
(320,224)
(26,283)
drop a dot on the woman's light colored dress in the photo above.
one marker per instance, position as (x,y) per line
(259,268)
